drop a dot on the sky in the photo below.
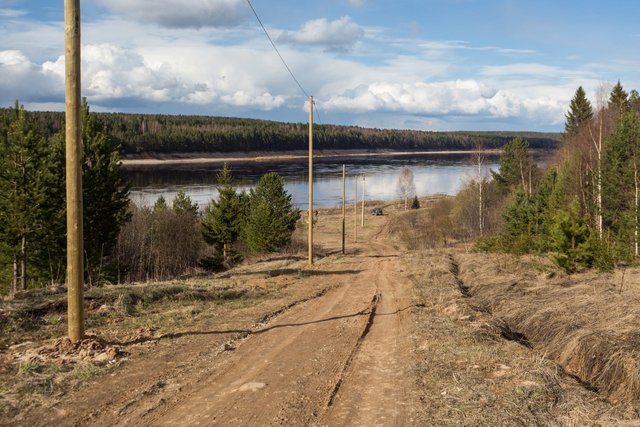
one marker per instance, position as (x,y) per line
(427,65)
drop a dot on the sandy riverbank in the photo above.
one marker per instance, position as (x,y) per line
(236,157)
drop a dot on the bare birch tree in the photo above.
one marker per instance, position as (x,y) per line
(597,138)
(406,186)
(478,160)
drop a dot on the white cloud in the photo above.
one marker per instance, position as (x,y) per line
(338,35)
(11,13)
(526,69)
(24,80)
(445,45)
(182,13)
(458,97)
(111,75)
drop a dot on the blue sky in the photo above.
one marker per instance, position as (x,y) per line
(431,64)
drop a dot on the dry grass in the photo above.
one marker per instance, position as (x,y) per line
(588,322)
(132,320)
(471,375)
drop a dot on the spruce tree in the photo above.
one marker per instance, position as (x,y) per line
(272,217)
(620,164)
(183,205)
(619,99)
(415,204)
(517,168)
(160,205)
(23,170)
(580,112)
(222,219)
(105,193)
(634,101)
(571,239)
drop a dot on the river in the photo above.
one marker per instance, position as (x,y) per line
(433,174)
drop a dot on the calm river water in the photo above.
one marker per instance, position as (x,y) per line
(433,174)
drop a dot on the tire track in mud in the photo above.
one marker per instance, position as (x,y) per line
(376,386)
(348,363)
(159,394)
(283,373)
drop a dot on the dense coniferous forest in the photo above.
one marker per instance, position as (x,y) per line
(153,133)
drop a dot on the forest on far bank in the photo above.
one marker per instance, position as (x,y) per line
(156,133)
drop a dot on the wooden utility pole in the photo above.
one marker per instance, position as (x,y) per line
(344,209)
(311,180)
(363,179)
(73,137)
(355,210)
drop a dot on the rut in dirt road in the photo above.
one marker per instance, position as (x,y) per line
(340,359)
(376,387)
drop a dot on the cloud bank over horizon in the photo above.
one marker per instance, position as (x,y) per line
(180,57)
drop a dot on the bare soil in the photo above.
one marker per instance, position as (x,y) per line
(379,336)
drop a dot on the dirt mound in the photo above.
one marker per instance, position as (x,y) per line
(62,351)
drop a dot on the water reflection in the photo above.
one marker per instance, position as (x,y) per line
(432,174)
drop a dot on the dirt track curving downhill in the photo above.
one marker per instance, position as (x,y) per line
(339,356)
(338,360)
(380,336)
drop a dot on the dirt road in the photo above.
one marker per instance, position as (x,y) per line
(380,336)
(336,360)
(338,356)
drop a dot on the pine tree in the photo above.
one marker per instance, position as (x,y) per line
(272,217)
(580,112)
(222,219)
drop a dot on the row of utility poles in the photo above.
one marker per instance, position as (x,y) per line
(73,138)
(310,212)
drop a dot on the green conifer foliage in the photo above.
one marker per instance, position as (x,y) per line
(160,204)
(272,217)
(619,99)
(580,112)
(571,239)
(23,173)
(617,177)
(183,205)
(517,168)
(415,204)
(105,193)
(621,158)
(634,100)
(223,218)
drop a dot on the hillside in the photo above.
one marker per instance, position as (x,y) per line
(140,134)
(379,336)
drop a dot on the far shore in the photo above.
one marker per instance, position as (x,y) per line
(237,157)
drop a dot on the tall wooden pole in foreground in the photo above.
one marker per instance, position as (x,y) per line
(344,209)
(355,210)
(311,180)
(73,135)
(363,179)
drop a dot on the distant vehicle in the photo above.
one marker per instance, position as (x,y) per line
(377,211)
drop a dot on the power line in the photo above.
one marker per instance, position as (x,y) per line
(276,49)
(282,58)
